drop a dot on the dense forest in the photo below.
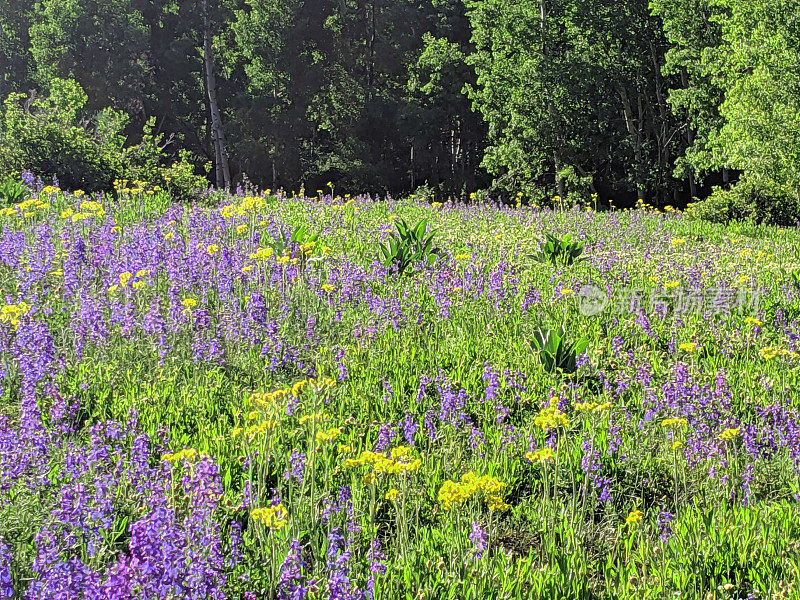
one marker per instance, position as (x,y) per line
(655,100)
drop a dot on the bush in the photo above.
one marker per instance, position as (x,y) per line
(752,200)
(53,137)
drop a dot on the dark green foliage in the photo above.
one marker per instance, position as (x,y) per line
(564,252)
(408,246)
(555,352)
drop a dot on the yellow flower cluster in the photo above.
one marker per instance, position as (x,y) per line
(327,288)
(675,422)
(688,347)
(268,398)
(486,487)
(753,321)
(25,209)
(464,256)
(678,241)
(262,253)
(255,430)
(189,303)
(772,352)
(729,434)
(634,517)
(212,249)
(185,454)
(594,407)
(541,456)
(551,417)
(248,204)
(314,417)
(328,436)
(399,461)
(273,517)
(11,313)
(313,385)
(392,494)
(125,277)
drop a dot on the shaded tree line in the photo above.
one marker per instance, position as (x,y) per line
(647,99)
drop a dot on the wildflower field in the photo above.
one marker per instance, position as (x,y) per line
(289,397)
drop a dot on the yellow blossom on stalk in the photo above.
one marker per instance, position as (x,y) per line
(634,517)
(12,313)
(212,249)
(327,287)
(262,253)
(328,436)
(551,417)
(676,422)
(677,445)
(688,347)
(753,321)
(400,460)
(253,415)
(241,229)
(567,292)
(678,241)
(729,434)
(246,269)
(315,417)
(344,449)
(124,278)
(769,353)
(189,303)
(463,256)
(392,494)
(236,431)
(487,487)
(185,454)
(112,288)
(671,285)
(274,517)
(169,235)
(541,456)
(137,285)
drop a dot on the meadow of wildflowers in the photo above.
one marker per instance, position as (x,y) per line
(241,400)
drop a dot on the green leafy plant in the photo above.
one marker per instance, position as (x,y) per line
(12,191)
(409,246)
(560,252)
(555,352)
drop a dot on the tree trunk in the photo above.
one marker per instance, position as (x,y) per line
(636,139)
(223,174)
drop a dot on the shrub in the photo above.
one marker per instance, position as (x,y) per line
(752,200)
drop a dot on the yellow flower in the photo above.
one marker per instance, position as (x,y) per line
(185,454)
(769,353)
(112,288)
(139,285)
(671,285)
(551,417)
(124,278)
(274,517)
(753,321)
(688,347)
(677,445)
(189,303)
(541,456)
(392,494)
(729,434)
(567,292)
(212,249)
(241,229)
(344,449)
(328,436)
(678,241)
(678,422)
(327,287)
(634,517)
(236,431)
